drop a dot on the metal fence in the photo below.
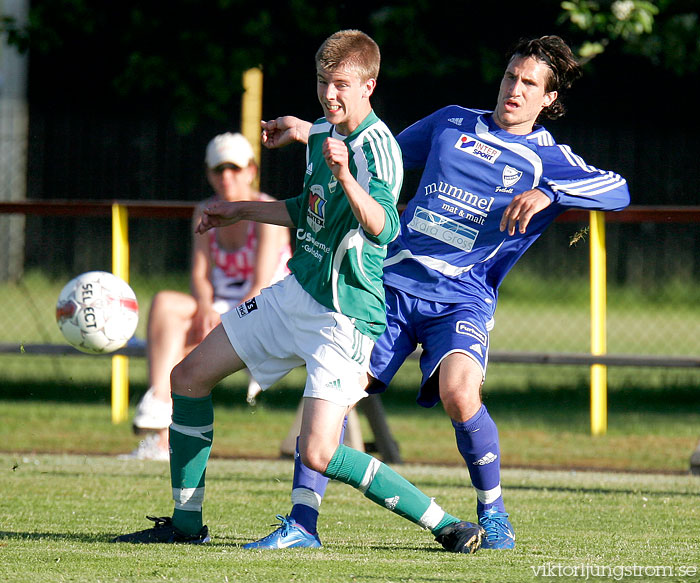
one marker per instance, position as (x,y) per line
(543,305)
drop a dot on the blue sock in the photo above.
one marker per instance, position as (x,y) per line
(308,489)
(477,441)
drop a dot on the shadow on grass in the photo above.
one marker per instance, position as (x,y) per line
(95,393)
(568,401)
(535,402)
(54,536)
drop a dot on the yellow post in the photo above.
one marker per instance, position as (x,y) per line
(251,111)
(120,268)
(599,372)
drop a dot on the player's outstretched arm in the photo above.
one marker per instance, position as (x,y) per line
(284,130)
(522,208)
(221,213)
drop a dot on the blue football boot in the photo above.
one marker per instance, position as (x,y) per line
(499,531)
(288,535)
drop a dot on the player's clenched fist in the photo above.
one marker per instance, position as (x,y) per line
(218,214)
(284,130)
(335,153)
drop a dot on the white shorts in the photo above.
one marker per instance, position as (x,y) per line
(284,328)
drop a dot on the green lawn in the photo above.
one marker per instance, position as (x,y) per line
(58,511)
(543,417)
(57,514)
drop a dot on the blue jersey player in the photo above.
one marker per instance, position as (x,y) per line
(492,182)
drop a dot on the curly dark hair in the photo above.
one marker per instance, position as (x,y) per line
(563,67)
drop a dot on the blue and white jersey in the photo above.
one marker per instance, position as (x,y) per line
(450,248)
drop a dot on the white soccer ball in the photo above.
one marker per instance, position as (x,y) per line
(97,312)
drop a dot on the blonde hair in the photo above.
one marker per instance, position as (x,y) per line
(352,49)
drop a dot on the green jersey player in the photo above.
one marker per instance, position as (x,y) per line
(325,315)
(341,267)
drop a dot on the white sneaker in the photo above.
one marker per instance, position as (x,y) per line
(152,413)
(148,450)
(254,389)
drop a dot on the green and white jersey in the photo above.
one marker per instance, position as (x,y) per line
(335,261)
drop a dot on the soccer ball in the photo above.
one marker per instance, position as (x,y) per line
(97,312)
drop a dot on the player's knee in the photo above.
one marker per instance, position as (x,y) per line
(314,457)
(184,381)
(461,405)
(177,379)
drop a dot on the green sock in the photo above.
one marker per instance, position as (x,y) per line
(191,435)
(384,486)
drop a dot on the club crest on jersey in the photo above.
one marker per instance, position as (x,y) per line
(511,175)
(247,307)
(316,211)
(468,329)
(477,148)
(332,184)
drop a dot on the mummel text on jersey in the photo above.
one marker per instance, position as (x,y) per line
(450,247)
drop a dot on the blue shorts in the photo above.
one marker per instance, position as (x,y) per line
(440,328)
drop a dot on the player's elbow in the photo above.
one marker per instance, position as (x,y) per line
(622,198)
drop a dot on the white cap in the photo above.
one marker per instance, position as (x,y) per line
(229,148)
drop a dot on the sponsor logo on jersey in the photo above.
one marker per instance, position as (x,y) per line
(443,229)
(247,307)
(316,212)
(391,503)
(511,176)
(477,148)
(332,184)
(468,329)
(489,458)
(310,168)
(456,120)
(473,202)
(308,243)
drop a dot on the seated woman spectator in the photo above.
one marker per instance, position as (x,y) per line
(229,266)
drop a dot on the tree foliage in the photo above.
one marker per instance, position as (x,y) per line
(187,56)
(666,32)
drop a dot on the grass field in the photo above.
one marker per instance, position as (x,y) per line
(608,508)
(542,413)
(57,514)
(543,418)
